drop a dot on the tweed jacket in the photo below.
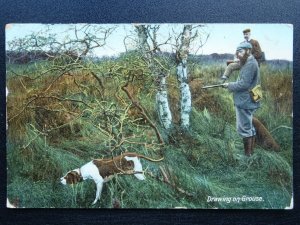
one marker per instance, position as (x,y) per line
(249,78)
(256,50)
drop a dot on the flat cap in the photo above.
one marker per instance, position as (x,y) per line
(243,45)
(246,30)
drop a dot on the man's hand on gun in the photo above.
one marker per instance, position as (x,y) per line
(223,78)
(222,83)
(225,85)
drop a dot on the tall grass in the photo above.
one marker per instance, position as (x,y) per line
(206,162)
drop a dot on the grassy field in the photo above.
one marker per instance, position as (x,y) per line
(62,116)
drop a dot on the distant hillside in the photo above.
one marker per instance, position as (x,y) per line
(23,57)
(279,64)
(214,58)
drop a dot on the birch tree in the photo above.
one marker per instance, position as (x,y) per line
(162,104)
(182,76)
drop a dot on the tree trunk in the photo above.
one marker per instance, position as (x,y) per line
(162,104)
(143,45)
(182,76)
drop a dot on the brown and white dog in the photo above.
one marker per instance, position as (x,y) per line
(102,170)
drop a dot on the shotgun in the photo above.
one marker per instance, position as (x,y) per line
(212,86)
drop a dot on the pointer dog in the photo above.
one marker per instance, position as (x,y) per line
(102,170)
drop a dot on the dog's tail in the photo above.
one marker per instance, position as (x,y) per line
(150,159)
(133,154)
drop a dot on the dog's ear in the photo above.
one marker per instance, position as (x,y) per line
(73,177)
(79,178)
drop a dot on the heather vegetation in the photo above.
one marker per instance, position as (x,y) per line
(93,118)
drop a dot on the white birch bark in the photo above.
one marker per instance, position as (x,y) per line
(182,75)
(162,104)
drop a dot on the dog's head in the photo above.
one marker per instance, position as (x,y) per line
(72,177)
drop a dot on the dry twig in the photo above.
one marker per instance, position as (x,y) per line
(142,111)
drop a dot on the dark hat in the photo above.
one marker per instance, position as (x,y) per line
(246,30)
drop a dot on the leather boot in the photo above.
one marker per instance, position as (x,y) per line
(248,146)
(253,144)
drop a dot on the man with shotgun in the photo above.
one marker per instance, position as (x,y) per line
(246,103)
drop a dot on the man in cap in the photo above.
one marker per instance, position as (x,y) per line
(256,50)
(244,106)
(235,65)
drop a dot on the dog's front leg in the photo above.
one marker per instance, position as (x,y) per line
(98,192)
(93,173)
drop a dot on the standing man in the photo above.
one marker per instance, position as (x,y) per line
(244,106)
(235,64)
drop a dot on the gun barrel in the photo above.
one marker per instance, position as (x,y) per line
(212,86)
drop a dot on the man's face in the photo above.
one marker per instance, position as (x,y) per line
(247,36)
(240,54)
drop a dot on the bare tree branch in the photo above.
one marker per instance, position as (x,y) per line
(142,111)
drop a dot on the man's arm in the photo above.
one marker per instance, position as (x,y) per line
(246,78)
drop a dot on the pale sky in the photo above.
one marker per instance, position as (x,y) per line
(276,40)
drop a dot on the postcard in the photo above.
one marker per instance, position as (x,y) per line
(160,116)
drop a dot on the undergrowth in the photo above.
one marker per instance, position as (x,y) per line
(49,138)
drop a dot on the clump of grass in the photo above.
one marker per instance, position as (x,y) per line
(279,85)
(272,165)
(216,137)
